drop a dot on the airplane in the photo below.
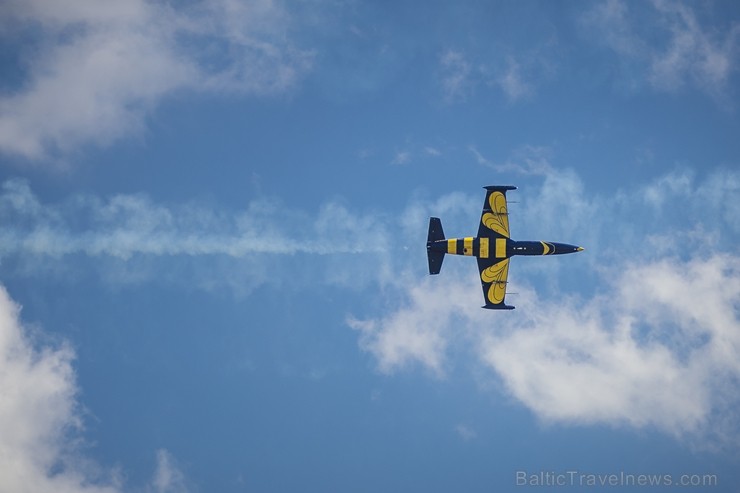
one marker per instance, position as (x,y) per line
(493,247)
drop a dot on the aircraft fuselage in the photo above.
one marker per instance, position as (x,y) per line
(499,248)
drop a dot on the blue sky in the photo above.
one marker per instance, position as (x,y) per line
(212,245)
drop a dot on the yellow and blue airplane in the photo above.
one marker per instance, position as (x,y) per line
(493,247)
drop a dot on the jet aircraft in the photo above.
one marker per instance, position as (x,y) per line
(493,247)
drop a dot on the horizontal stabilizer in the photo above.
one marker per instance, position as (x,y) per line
(435,261)
(436,233)
(435,230)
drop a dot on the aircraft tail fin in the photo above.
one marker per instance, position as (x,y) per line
(435,257)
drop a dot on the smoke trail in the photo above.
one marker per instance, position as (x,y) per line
(128,225)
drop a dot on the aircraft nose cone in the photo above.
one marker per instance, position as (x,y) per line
(579,249)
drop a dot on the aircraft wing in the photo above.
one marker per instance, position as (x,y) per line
(494,221)
(493,276)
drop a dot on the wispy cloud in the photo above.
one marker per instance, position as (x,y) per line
(668,44)
(168,477)
(656,346)
(465,432)
(460,77)
(526,160)
(414,152)
(401,157)
(512,82)
(456,76)
(516,73)
(101,67)
(692,53)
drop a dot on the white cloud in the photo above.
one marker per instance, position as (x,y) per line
(512,82)
(691,54)
(401,157)
(611,18)
(667,187)
(526,160)
(39,414)
(465,432)
(168,477)
(480,158)
(456,75)
(41,419)
(406,337)
(668,44)
(98,86)
(410,152)
(460,75)
(659,347)
(101,67)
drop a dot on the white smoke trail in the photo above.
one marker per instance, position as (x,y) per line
(128,225)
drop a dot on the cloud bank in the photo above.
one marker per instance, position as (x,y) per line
(658,348)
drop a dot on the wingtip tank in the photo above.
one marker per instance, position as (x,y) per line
(500,188)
